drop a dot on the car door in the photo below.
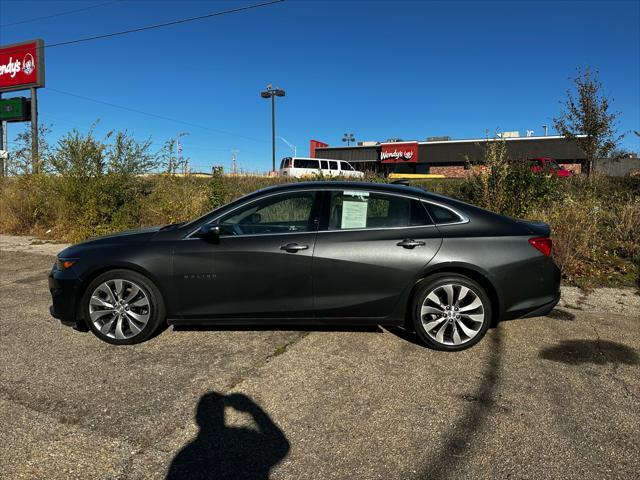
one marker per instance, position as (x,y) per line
(259,266)
(370,249)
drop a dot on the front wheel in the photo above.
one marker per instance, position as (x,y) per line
(451,312)
(123,307)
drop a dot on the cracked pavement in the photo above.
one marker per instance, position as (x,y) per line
(552,397)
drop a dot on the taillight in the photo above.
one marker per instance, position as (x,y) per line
(543,244)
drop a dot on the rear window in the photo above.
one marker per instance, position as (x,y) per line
(362,209)
(285,162)
(443,215)
(305,163)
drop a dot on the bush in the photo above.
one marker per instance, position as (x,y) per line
(98,186)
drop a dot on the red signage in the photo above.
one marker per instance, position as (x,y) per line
(22,65)
(313,144)
(399,152)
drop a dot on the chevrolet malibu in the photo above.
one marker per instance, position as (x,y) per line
(314,253)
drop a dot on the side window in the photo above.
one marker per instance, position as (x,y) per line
(323,165)
(306,163)
(346,166)
(361,209)
(333,165)
(442,215)
(277,214)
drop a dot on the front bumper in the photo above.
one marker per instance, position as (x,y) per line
(63,287)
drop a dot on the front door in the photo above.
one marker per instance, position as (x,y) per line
(259,267)
(370,252)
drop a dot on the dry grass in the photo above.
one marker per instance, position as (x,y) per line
(595,222)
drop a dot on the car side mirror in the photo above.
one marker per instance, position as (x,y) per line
(209,230)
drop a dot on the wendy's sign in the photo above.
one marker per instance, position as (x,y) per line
(399,152)
(22,65)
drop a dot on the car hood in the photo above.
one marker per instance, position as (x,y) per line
(127,237)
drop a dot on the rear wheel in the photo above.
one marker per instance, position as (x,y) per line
(451,312)
(123,307)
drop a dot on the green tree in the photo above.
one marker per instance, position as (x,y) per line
(171,162)
(20,161)
(585,118)
(127,156)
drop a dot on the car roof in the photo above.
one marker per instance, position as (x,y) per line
(324,185)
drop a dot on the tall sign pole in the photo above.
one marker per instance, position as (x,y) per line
(273,133)
(3,147)
(271,93)
(35,156)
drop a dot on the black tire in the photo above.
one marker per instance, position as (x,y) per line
(432,283)
(156,310)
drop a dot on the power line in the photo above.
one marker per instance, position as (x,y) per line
(161,117)
(166,24)
(60,14)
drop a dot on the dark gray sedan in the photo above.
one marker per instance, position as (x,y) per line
(315,253)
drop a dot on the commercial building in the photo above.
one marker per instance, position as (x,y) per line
(452,158)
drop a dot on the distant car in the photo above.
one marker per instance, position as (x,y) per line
(549,166)
(296,167)
(315,253)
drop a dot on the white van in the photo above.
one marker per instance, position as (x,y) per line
(297,167)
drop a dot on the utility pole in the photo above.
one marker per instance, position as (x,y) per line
(234,162)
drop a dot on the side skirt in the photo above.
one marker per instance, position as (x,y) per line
(351,321)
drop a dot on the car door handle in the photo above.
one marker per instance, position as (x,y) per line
(293,247)
(410,243)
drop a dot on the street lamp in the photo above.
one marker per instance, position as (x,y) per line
(348,137)
(271,93)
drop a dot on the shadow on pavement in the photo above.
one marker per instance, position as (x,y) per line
(224,452)
(558,314)
(599,352)
(464,434)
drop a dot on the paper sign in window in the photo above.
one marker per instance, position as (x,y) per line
(354,213)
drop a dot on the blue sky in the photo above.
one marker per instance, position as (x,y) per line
(377,69)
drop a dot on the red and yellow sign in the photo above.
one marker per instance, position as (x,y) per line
(22,65)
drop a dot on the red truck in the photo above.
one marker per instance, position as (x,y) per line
(549,166)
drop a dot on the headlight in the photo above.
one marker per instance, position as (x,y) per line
(65,263)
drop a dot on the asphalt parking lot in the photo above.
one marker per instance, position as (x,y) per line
(552,397)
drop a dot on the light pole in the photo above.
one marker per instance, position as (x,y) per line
(271,93)
(348,137)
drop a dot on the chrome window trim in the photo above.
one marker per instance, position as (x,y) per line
(463,218)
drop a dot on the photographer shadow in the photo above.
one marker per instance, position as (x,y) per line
(224,452)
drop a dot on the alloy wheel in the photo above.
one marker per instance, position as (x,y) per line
(452,314)
(119,309)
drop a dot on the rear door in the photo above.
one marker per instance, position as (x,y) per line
(369,250)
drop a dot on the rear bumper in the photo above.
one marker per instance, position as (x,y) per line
(531,289)
(537,311)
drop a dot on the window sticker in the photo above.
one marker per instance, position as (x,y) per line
(354,213)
